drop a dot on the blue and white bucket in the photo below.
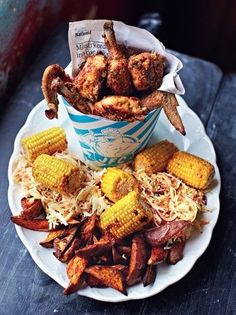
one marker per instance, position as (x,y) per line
(106,142)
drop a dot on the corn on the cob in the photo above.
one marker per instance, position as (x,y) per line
(126,216)
(56,174)
(48,141)
(117,183)
(155,158)
(191,169)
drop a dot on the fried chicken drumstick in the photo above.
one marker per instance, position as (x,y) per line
(118,77)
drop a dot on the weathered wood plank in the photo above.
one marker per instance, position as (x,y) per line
(201,80)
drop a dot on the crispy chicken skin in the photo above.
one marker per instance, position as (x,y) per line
(90,78)
(118,77)
(147,70)
(169,103)
(119,108)
(50,95)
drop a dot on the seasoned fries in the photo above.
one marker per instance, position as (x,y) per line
(75,270)
(137,259)
(109,276)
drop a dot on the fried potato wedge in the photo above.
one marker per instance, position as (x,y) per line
(104,259)
(158,254)
(108,276)
(176,253)
(138,259)
(48,241)
(74,221)
(150,275)
(75,270)
(61,243)
(70,252)
(117,257)
(32,208)
(32,224)
(123,268)
(124,250)
(94,282)
(162,234)
(96,249)
(87,229)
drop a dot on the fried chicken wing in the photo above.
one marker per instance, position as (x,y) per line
(90,78)
(71,94)
(119,108)
(118,77)
(132,108)
(50,95)
(169,103)
(147,70)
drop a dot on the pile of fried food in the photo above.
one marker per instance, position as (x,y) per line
(152,207)
(120,86)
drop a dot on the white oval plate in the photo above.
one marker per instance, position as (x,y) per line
(196,141)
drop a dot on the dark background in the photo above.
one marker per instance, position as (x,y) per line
(204,29)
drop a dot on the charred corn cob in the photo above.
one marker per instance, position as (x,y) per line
(48,141)
(117,183)
(126,216)
(56,174)
(155,158)
(191,169)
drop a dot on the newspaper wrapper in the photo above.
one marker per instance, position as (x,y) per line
(105,142)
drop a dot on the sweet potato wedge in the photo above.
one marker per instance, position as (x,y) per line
(87,229)
(75,270)
(48,241)
(94,282)
(161,235)
(32,208)
(158,254)
(32,224)
(123,268)
(124,250)
(138,259)
(70,252)
(74,221)
(99,248)
(61,243)
(149,275)
(176,253)
(108,276)
(104,259)
(117,257)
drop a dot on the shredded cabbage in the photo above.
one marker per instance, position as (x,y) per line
(169,198)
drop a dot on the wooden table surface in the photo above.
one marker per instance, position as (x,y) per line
(210,287)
